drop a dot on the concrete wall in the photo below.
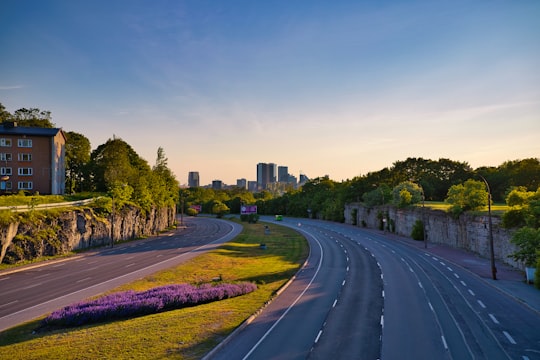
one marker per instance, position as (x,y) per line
(467,232)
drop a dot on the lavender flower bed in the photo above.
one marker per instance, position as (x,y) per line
(130,303)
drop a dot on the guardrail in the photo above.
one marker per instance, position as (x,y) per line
(29,207)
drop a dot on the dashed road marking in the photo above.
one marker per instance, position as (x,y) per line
(510,338)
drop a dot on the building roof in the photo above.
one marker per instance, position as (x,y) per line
(10,129)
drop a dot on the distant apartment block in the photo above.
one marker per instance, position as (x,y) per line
(32,159)
(217,184)
(193,179)
(241,183)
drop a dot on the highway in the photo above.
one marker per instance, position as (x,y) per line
(362,295)
(31,291)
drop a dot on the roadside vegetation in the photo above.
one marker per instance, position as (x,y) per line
(186,333)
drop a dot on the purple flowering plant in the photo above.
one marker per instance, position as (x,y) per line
(131,304)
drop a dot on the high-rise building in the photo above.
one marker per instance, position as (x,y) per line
(266,174)
(217,184)
(241,183)
(283,174)
(193,179)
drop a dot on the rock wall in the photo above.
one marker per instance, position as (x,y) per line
(467,232)
(77,230)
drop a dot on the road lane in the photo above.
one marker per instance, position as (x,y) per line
(30,292)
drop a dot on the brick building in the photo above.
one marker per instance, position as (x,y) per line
(32,159)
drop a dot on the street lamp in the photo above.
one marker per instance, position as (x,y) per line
(490,225)
(423,217)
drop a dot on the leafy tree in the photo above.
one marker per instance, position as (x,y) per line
(528,241)
(406,193)
(33,117)
(4,114)
(77,158)
(379,196)
(471,195)
(219,209)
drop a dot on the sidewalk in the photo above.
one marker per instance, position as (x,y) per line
(509,279)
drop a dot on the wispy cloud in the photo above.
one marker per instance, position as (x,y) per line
(12,87)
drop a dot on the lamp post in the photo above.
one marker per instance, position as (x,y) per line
(112,222)
(423,218)
(490,230)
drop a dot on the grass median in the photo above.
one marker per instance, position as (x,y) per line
(187,333)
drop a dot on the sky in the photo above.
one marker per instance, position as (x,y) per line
(338,88)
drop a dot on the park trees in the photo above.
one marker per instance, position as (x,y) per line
(77,158)
(471,195)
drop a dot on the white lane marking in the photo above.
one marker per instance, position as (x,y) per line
(463,283)
(420,284)
(128,265)
(382,320)
(31,286)
(291,306)
(9,303)
(383,293)
(335,303)
(456,275)
(481,304)
(347,269)
(443,264)
(510,338)
(4,278)
(431,306)
(449,268)
(493,318)
(471,292)
(343,283)
(318,336)
(444,343)
(58,265)
(83,280)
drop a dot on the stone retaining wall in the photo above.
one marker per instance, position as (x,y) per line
(467,232)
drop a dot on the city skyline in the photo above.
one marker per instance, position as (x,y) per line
(337,88)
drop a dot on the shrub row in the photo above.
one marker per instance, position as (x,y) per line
(130,303)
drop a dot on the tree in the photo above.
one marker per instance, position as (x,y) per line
(471,195)
(33,117)
(77,158)
(528,241)
(4,114)
(406,193)
(219,209)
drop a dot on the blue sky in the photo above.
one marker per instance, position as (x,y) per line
(336,88)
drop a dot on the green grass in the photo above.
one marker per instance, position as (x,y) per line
(179,334)
(497,209)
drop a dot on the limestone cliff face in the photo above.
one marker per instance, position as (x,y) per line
(467,232)
(77,230)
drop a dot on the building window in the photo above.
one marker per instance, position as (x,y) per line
(25,185)
(24,157)
(25,171)
(5,156)
(5,185)
(5,142)
(24,143)
(5,171)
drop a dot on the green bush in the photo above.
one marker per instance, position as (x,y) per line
(513,218)
(537,272)
(417,232)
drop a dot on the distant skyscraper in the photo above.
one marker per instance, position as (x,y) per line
(283,174)
(266,174)
(193,179)
(217,184)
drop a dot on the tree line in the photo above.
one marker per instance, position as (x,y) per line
(113,167)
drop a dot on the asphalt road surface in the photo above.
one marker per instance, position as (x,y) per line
(362,295)
(29,292)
